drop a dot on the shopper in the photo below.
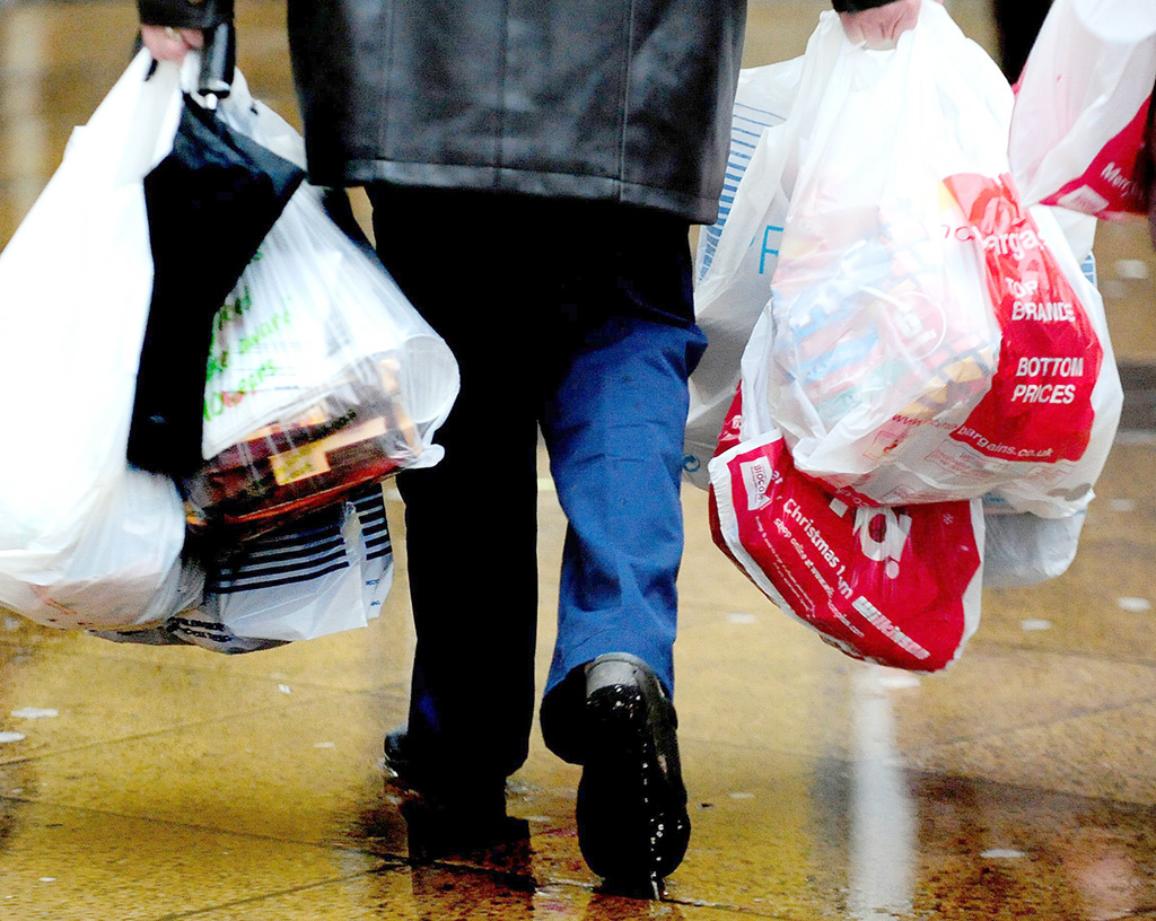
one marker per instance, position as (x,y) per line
(534,169)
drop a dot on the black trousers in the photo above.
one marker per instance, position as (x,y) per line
(575,318)
(1019,23)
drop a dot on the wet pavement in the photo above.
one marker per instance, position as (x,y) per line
(144,784)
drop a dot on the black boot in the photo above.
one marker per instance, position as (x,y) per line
(398,763)
(448,811)
(633,825)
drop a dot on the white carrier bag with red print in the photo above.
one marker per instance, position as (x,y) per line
(927,338)
(897,586)
(1082,104)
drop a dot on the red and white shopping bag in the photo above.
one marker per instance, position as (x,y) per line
(896,586)
(1081,110)
(928,337)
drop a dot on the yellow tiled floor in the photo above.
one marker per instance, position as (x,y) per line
(173,783)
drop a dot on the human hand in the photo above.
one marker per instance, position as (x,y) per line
(881,27)
(168,44)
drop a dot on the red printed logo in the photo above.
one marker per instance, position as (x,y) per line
(1039,408)
(1109,186)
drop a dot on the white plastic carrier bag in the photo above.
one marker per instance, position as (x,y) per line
(1021,550)
(1082,107)
(927,338)
(763,98)
(897,586)
(737,255)
(86,541)
(322,377)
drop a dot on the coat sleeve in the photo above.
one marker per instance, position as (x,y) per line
(185,14)
(856,6)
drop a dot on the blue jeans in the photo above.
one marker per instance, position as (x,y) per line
(576,319)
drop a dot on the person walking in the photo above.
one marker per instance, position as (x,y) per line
(534,168)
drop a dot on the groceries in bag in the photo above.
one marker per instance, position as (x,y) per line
(321,376)
(1082,108)
(88,541)
(347,419)
(897,586)
(875,309)
(924,327)
(309,461)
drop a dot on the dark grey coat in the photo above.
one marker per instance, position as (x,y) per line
(614,100)
(620,100)
(626,100)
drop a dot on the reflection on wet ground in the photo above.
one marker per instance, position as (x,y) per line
(143,783)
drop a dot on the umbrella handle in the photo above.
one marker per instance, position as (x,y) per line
(218,59)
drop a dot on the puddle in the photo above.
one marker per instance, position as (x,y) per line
(899,681)
(1132,269)
(35,713)
(1002,853)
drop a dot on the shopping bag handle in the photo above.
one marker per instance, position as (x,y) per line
(218,60)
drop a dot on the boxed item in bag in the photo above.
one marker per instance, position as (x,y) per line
(354,435)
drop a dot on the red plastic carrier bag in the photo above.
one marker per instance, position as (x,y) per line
(897,586)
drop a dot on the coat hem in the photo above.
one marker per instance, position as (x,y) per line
(694,208)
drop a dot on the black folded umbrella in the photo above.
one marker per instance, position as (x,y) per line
(210,204)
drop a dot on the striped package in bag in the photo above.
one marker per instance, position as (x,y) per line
(328,572)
